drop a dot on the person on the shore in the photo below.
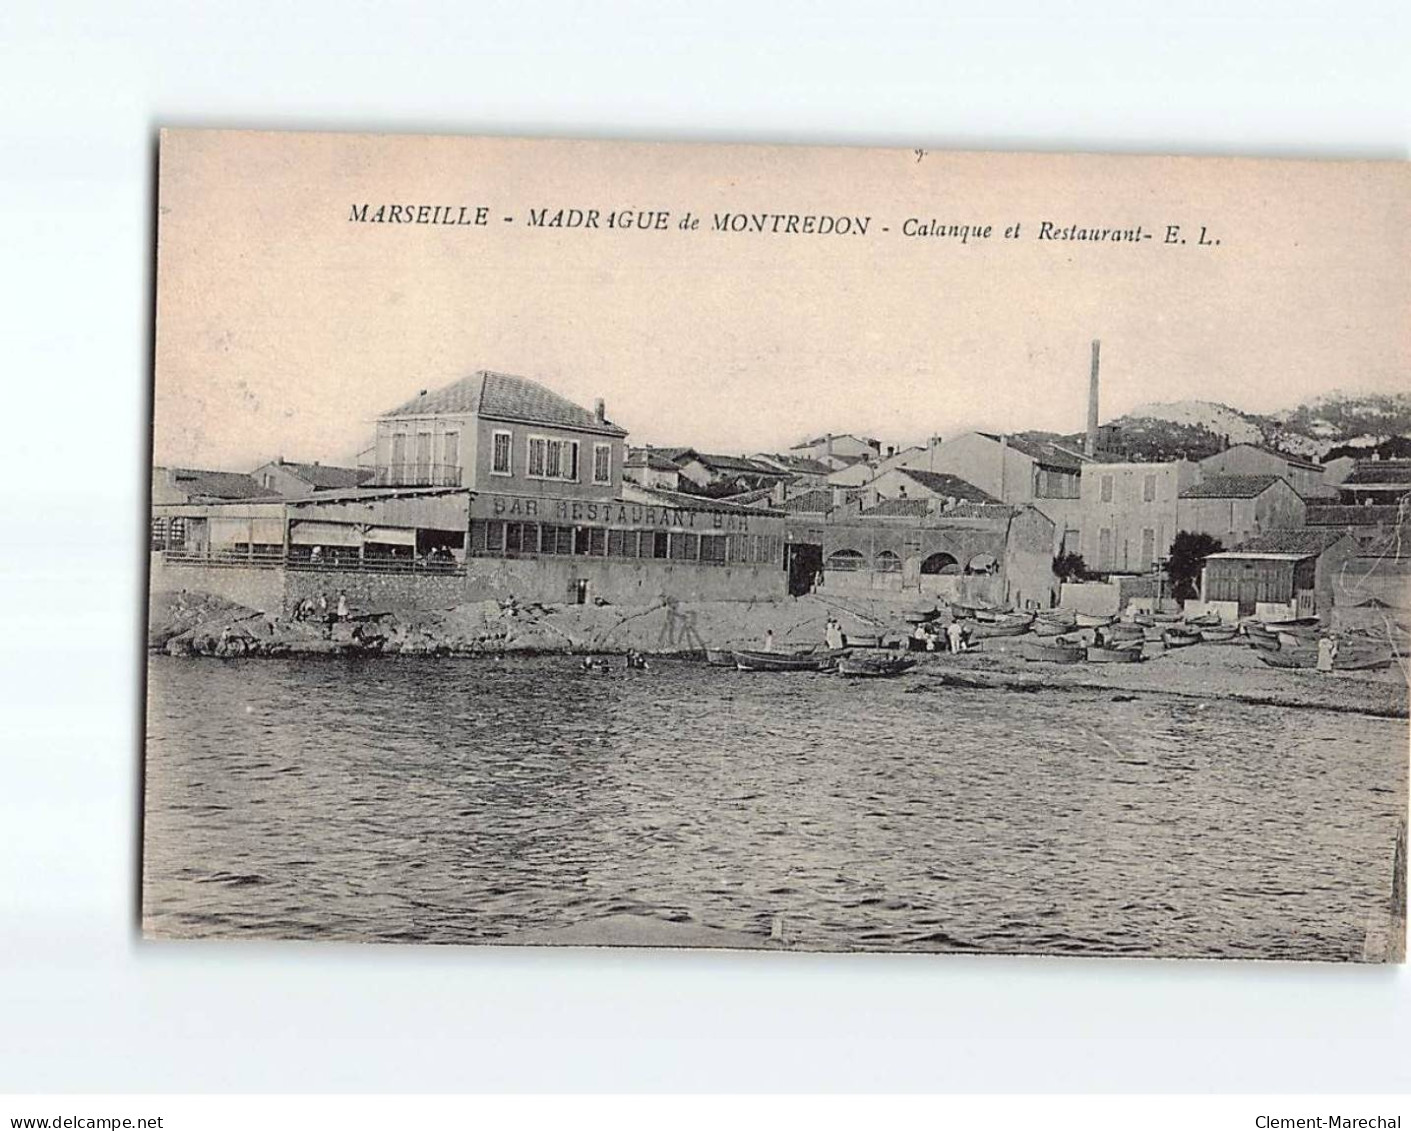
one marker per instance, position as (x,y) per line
(955,637)
(833,634)
(342,605)
(1327,653)
(769,640)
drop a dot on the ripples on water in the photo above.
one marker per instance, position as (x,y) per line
(464,801)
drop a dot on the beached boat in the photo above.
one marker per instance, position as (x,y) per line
(873,667)
(1091,620)
(1147,617)
(1015,625)
(1120,631)
(920,616)
(1289,624)
(1225,634)
(1050,652)
(814,660)
(1205,620)
(863,641)
(1348,660)
(1117,654)
(1176,637)
(962,610)
(720,657)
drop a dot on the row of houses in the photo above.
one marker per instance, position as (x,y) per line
(498,485)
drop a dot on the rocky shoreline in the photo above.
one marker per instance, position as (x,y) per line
(188,624)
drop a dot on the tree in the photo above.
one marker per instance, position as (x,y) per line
(1069,566)
(1186,560)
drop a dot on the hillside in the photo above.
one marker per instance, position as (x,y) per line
(1340,421)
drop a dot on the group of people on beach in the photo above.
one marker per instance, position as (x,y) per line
(929,637)
(319,611)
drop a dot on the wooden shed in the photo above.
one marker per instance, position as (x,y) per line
(1285,567)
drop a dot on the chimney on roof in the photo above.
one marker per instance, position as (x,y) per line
(1003,459)
(829,438)
(1090,445)
(600,410)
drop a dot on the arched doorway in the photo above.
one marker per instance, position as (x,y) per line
(939,563)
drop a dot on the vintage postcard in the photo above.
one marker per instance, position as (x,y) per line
(576,542)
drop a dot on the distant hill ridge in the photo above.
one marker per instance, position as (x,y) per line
(1356,422)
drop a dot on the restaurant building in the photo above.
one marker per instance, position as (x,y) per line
(491,487)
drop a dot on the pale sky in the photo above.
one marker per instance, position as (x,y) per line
(283,328)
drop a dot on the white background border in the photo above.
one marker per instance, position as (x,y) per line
(87,1006)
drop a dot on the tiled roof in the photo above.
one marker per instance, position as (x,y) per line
(1296,540)
(1288,458)
(899,508)
(1044,454)
(323,478)
(200,483)
(810,502)
(1369,473)
(503,396)
(732,505)
(1352,515)
(977,510)
(737,465)
(950,486)
(652,460)
(1230,487)
(868,440)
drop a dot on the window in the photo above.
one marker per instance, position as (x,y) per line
(501,452)
(580,540)
(399,448)
(1106,488)
(598,542)
(713,548)
(1149,489)
(1148,546)
(451,449)
(553,459)
(602,463)
(423,449)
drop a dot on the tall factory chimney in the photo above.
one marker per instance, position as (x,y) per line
(1090,445)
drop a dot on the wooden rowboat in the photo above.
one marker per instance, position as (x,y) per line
(1348,661)
(873,667)
(1049,652)
(1118,655)
(821,660)
(1009,626)
(1090,620)
(720,657)
(1227,634)
(1180,637)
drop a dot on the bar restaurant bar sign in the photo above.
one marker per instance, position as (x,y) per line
(963,684)
(622,514)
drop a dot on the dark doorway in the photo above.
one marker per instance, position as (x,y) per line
(804,561)
(579,588)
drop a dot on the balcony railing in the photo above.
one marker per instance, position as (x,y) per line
(419,475)
(272,557)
